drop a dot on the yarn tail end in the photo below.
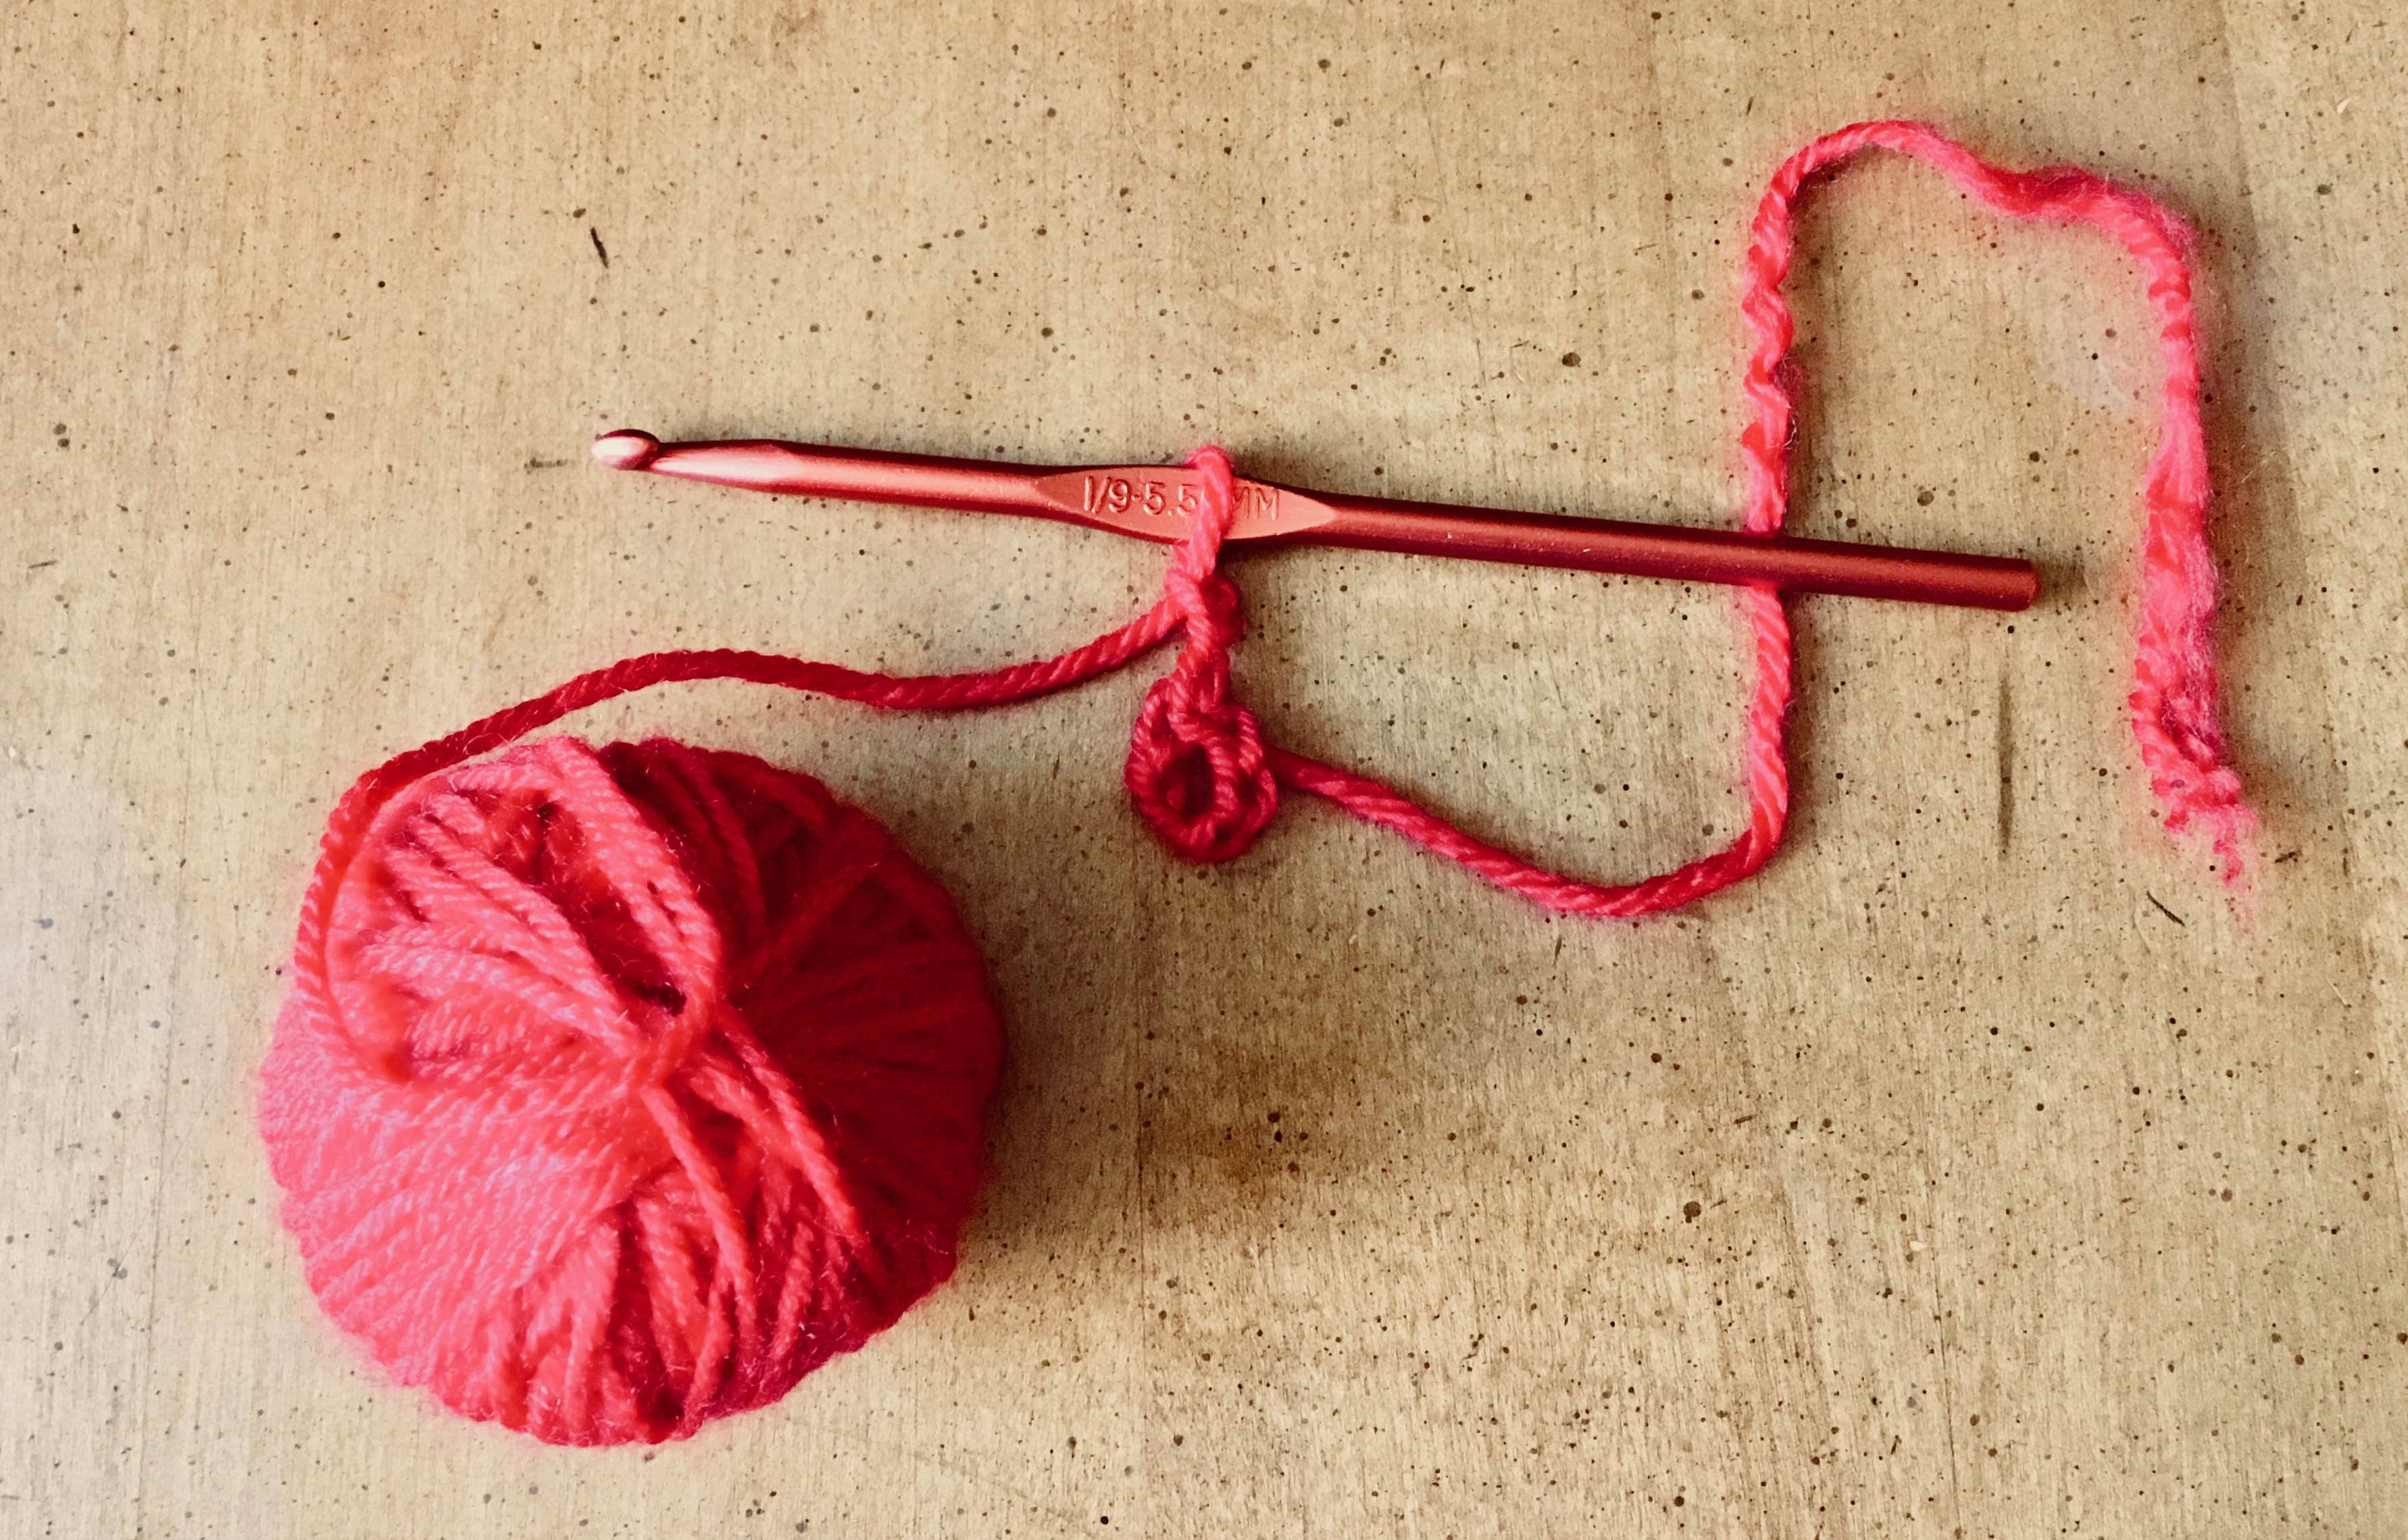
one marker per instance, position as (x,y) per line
(2227,830)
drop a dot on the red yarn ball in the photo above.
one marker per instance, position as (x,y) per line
(617,1090)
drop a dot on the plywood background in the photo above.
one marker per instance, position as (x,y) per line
(2035,1194)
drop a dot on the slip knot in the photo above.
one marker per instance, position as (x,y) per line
(1197,770)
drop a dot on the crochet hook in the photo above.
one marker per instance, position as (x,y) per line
(1153,502)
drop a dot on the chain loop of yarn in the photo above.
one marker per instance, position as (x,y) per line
(617,1089)
(1198,770)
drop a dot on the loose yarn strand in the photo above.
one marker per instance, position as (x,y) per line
(1199,773)
(2172,700)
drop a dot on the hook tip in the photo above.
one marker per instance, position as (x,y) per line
(628,449)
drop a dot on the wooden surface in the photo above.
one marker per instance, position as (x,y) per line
(1973,1171)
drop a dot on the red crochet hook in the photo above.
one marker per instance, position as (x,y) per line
(1153,501)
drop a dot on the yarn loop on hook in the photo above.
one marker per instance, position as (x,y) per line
(1198,770)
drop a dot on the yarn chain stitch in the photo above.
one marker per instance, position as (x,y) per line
(1201,776)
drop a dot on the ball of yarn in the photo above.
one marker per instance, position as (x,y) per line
(624,1086)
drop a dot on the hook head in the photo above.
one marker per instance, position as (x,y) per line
(628,449)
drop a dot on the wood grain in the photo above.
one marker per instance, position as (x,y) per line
(1973,1171)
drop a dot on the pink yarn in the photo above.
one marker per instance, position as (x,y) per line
(616,1090)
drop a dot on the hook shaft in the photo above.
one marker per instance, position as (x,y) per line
(1153,502)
